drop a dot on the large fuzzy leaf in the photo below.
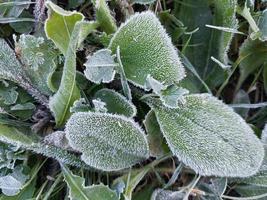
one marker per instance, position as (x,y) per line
(78,191)
(60,25)
(209,137)
(107,142)
(116,103)
(207,42)
(147,50)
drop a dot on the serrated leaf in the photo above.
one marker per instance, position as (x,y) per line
(60,25)
(147,50)
(104,17)
(208,136)
(253,54)
(116,103)
(107,142)
(78,191)
(100,67)
(40,58)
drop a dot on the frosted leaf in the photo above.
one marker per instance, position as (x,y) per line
(13,182)
(161,194)
(169,95)
(99,106)
(147,50)
(8,94)
(107,142)
(57,139)
(78,190)
(116,103)
(80,106)
(100,67)
(40,58)
(60,25)
(143,1)
(210,137)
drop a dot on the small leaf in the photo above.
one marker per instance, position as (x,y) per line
(143,1)
(208,136)
(78,191)
(60,25)
(100,67)
(107,142)
(104,18)
(13,182)
(147,50)
(161,194)
(99,106)
(116,103)
(80,106)
(8,94)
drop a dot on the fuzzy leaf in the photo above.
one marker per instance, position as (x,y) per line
(104,18)
(68,91)
(107,142)
(209,137)
(78,191)
(60,25)
(116,103)
(40,58)
(147,50)
(100,67)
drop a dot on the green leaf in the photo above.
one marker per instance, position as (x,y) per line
(68,91)
(8,94)
(12,183)
(107,142)
(78,191)
(40,57)
(146,50)
(100,67)
(206,42)
(143,1)
(156,142)
(209,137)
(116,103)
(262,24)
(253,54)
(60,25)
(104,18)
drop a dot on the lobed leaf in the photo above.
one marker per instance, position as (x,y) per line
(146,50)
(78,191)
(116,103)
(100,67)
(107,142)
(208,136)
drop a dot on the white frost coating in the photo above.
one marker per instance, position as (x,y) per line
(99,106)
(161,194)
(100,67)
(210,137)
(147,50)
(107,142)
(116,103)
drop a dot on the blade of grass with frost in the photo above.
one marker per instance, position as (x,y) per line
(68,91)
(116,103)
(146,50)
(107,142)
(210,137)
(78,190)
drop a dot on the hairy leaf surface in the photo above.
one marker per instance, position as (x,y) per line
(78,190)
(107,142)
(209,137)
(147,50)
(116,103)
